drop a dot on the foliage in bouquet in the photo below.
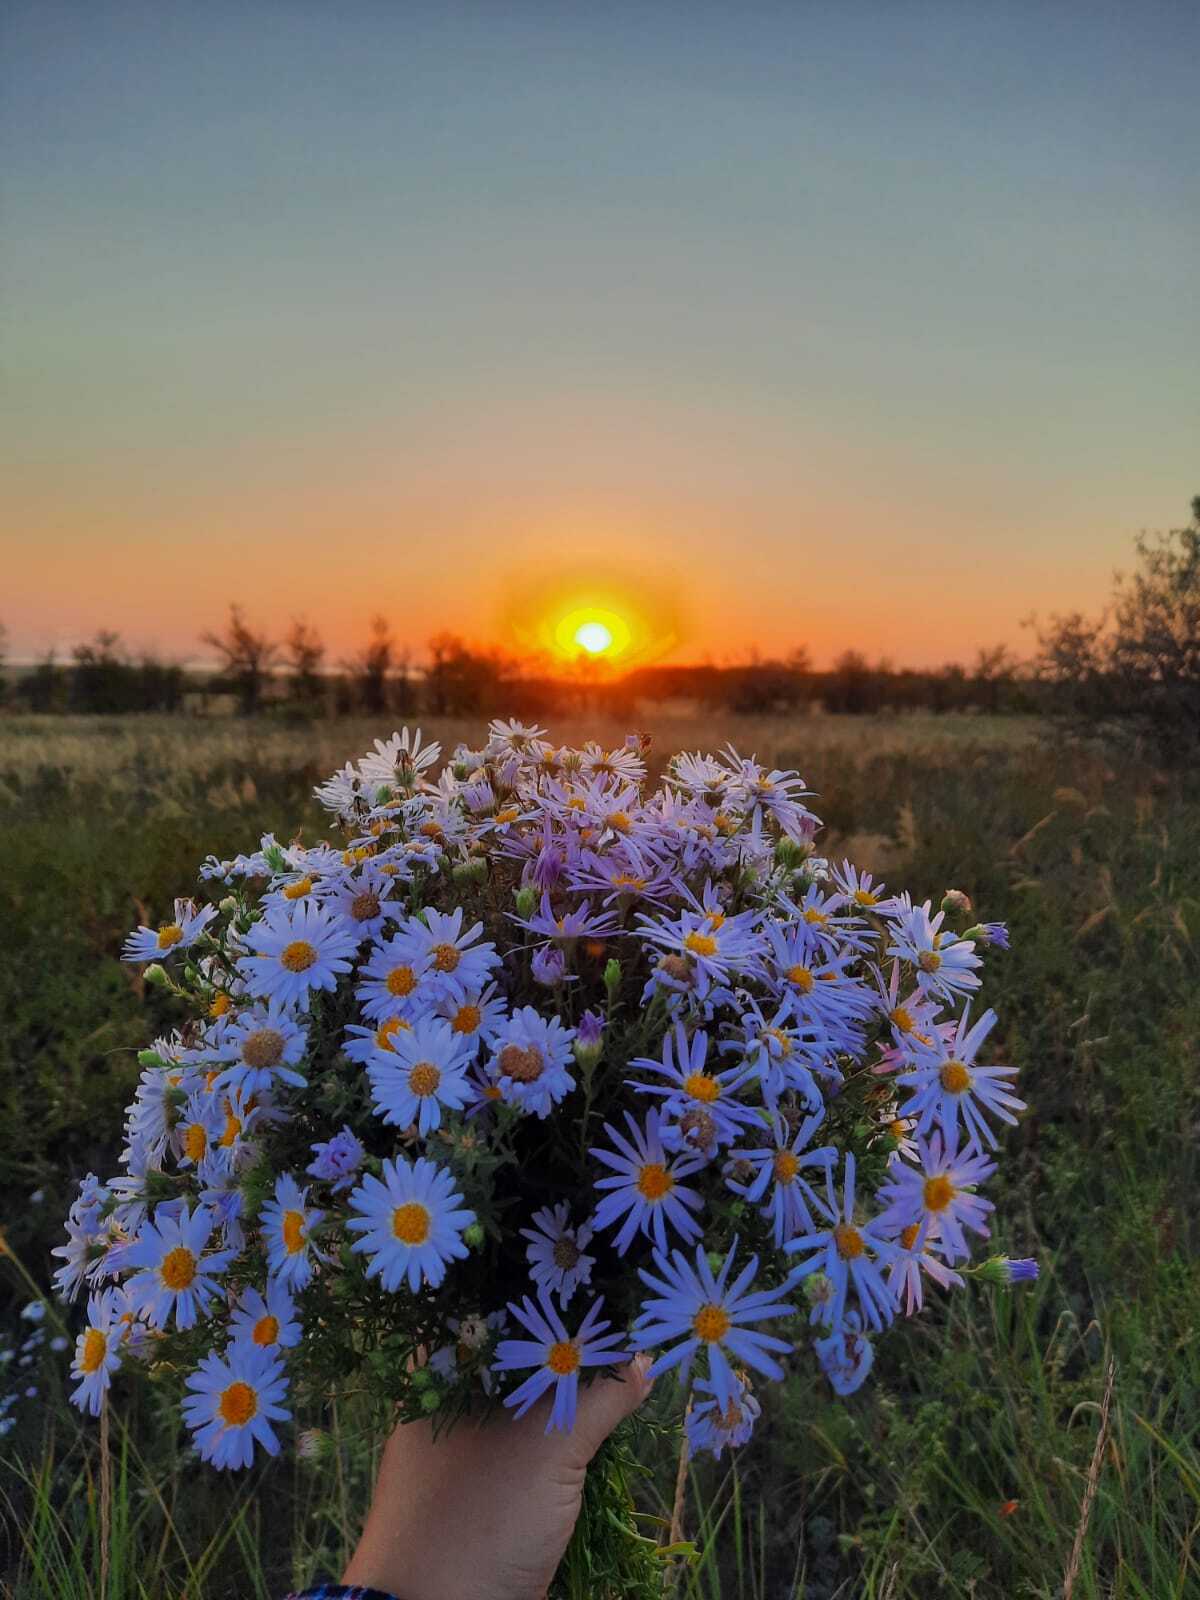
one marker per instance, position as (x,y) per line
(526,1069)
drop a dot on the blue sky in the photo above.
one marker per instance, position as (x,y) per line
(862,323)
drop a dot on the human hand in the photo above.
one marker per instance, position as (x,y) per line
(486,1511)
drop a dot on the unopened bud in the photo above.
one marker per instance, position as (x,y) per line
(612,975)
(228,906)
(526,900)
(150,1058)
(430,1401)
(156,976)
(956,903)
(473,1236)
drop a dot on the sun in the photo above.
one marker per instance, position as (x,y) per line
(592,633)
(594,637)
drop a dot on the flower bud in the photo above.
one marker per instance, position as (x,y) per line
(549,966)
(275,858)
(156,976)
(956,903)
(473,1236)
(228,906)
(150,1058)
(1005,1272)
(612,975)
(526,900)
(430,1401)
(312,1445)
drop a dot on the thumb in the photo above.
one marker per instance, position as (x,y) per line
(608,1401)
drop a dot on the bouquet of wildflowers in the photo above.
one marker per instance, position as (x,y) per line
(524,1069)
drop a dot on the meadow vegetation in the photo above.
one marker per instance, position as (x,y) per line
(1010,1444)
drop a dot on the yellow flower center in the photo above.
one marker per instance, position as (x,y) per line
(700,1086)
(938,1193)
(178,1268)
(232,1128)
(219,1005)
(711,1323)
(410,1223)
(901,1018)
(168,935)
(929,961)
(619,821)
(238,1404)
(401,981)
(654,1181)
(786,1166)
(818,918)
(563,1358)
(424,1078)
(95,1348)
(266,1331)
(446,957)
(956,1077)
(292,1229)
(848,1242)
(297,890)
(263,1048)
(800,978)
(700,944)
(195,1142)
(509,814)
(864,897)
(466,1020)
(908,1237)
(298,956)
(385,1030)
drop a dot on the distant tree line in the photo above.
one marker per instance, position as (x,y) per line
(1133,671)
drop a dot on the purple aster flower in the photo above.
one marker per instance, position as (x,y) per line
(530,1061)
(994,933)
(945,964)
(846,1355)
(557,1356)
(711,1426)
(849,1253)
(708,1313)
(549,966)
(646,1190)
(699,1110)
(779,1168)
(940,1193)
(336,1160)
(556,1252)
(947,1084)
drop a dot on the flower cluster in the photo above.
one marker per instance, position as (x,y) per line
(528,1067)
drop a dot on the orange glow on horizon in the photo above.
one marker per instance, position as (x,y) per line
(617,621)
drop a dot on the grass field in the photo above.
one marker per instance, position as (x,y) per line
(983,1459)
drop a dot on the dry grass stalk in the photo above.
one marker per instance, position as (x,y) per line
(1093,1480)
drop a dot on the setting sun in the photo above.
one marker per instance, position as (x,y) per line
(593,637)
(592,631)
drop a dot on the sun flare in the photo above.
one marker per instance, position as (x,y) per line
(593,637)
(593,633)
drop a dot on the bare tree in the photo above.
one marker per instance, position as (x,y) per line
(247,656)
(304,652)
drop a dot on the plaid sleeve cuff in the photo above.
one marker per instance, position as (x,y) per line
(339,1591)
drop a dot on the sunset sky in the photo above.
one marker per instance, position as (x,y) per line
(757,324)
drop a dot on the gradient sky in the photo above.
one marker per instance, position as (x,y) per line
(837,323)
